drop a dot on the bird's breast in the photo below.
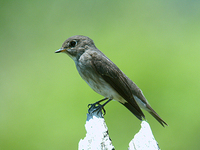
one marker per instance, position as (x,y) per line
(95,81)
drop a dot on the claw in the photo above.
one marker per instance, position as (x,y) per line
(96,108)
(104,111)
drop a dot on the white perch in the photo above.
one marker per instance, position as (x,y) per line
(97,137)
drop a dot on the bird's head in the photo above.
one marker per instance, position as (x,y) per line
(75,46)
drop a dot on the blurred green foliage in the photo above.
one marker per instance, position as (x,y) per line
(43,101)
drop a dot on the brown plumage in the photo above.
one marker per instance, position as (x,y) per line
(104,77)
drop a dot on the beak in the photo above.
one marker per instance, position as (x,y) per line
(60,50)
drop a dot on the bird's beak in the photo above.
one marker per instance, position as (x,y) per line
(60,50)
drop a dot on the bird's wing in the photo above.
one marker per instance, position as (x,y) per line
(116,79)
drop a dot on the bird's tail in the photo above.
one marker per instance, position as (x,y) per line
(138,114)
(156,116)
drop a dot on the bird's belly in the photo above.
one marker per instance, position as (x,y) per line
(104,89)
(96,82)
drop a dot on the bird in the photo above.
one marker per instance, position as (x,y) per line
(105,78)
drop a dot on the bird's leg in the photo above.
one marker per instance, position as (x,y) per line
(104,105)
(98,102)
(99,107)
(107,102)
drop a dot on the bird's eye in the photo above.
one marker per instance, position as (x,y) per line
(72,43)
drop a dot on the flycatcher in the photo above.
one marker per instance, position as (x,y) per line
(105,78)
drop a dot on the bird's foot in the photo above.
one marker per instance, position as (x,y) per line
(96,107)
(98,102)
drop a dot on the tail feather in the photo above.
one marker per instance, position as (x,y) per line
(156,116)
(139,115)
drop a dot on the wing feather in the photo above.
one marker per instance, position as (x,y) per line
(116,79)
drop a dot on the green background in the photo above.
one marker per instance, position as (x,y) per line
(43,100)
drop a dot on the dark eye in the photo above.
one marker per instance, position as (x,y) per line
(72,43)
